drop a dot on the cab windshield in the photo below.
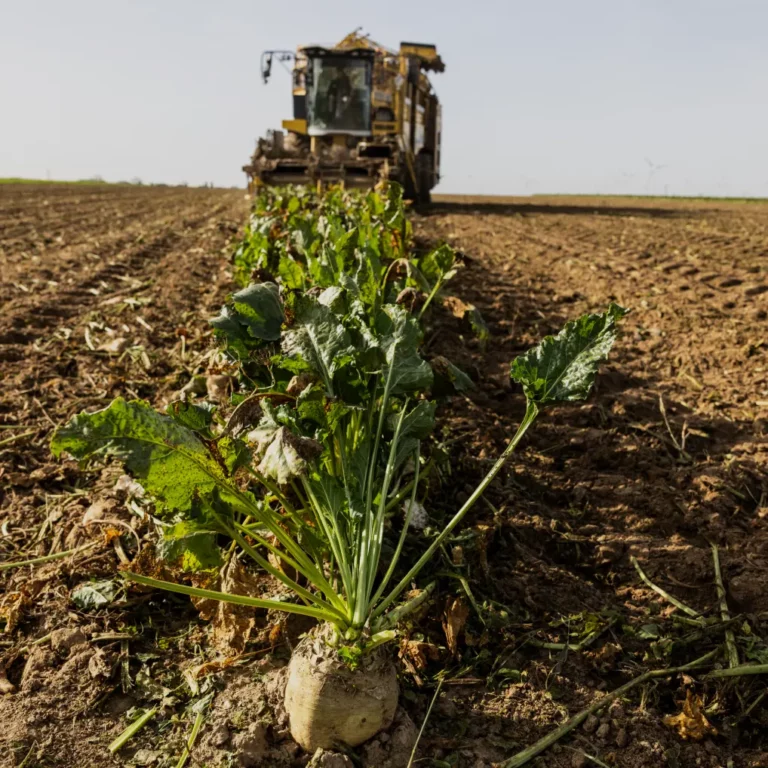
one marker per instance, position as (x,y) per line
(339,96)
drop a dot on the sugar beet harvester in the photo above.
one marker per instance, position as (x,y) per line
(361,113)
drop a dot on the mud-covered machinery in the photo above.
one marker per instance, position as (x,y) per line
(361,113)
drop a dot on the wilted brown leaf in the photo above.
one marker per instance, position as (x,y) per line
(11,609)
(456,306)
(110,534)
(232,624)
(605,656)
(482,542)
(146,564)
(454,619)
(211,667)
(419,653)
(691,724)
(275,633)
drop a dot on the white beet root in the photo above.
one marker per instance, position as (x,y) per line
(329,704)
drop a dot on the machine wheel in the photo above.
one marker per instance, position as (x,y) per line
(424,176)
(409,189)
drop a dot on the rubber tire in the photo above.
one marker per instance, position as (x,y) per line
(424,176)
(409,190)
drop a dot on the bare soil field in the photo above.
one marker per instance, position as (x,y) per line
(106,291)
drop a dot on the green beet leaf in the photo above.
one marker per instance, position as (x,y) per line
(318,340)
(228,328)
(291,273)
(401,336)
(438,265)
(250,317)
(94,595)
(477,323)
(186,546)
(418,422)
(563,367)
(449,379)
(259,309)
(171,461)
(197,417)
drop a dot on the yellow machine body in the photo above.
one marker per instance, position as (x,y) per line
(362,113)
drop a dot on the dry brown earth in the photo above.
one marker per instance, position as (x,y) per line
(105,293)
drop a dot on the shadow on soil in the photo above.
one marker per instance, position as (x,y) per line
(608,473)
(614,452)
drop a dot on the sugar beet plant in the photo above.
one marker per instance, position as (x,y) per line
(302,240)
(304,476)
(296,234)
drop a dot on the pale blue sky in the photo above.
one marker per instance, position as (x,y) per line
(559,96)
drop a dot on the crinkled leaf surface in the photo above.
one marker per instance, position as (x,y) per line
(333,298)
(172,462)
(259,309)
(268,425)
(318,338)
(409,371)
(563,367)
(189,548)
(438,264)
(197,417)
(284,455)
(291,273)
(94,594)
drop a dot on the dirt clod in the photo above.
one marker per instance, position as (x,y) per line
(38,662)
(590,724)
(578,760)
(325,759)
(64,639)
(99,510)
(395,749)
(220,735)
(250,746)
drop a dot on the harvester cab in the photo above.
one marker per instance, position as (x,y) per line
(361,113)
(338,93)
